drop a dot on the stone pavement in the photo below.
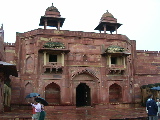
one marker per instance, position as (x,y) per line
(83,113)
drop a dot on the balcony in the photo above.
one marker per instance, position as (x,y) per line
(113,77)
(114,69)
(52,67)
(114,66)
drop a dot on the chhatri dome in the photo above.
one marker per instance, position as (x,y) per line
(108,23)
(52,8)
(107,14)
(52,18)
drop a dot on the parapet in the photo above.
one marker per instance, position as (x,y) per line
(9,44)
(146,51)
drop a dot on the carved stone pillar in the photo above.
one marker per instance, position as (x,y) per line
(58,28)
(116,29)
(109,60)
(45,23)
(45,58)
(104,28)
(124,63)
(62,59)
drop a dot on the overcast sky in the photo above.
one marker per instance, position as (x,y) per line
(140,18)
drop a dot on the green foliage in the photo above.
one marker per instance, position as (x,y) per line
(54,45)
(114,48)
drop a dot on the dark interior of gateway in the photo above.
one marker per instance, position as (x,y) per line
(83,97)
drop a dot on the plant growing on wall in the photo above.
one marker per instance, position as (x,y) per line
(54,45)
(114,48)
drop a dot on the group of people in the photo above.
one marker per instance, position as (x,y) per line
(38,110)
(153,108)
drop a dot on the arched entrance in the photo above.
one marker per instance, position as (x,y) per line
(83,97)
(52,94)
(115,93)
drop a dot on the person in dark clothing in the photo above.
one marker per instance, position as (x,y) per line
(43,113)
(152,108)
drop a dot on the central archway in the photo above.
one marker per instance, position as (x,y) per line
(83,97)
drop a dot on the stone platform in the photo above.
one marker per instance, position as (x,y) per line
(81,113)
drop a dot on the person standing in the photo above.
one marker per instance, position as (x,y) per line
(42,102)
(36,110)
(34,113)
(43,113)
(158,104)
(152,108)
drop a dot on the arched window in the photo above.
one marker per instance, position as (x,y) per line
(28,88)
(29,65)
(115,93)
(52,94)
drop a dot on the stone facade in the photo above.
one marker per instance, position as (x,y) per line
(6,70)
(147,70)
(2,57)
(80,68)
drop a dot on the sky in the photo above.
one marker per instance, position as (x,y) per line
(140,18)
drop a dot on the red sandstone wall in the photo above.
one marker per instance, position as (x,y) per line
(2,55)
(92,45)
(147,62)
(147,70)
(10,53)
(16,97)
(1,94)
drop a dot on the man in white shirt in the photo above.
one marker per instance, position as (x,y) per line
(37,108)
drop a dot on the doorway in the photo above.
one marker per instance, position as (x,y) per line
(83,97)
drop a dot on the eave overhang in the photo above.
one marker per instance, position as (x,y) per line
(51,21)
(8,68)
(51,50)
(109,26)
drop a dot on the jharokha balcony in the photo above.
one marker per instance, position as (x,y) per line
(114,69)
(52,66)
(112,66)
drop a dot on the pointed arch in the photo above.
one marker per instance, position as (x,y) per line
(29,65)
(115,93)
(85,71)
(28,88)
(83,96)
(52,93)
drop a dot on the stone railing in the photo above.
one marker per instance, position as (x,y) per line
(116,66)
(51,65)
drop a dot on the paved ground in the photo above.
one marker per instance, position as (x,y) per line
(81,114)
